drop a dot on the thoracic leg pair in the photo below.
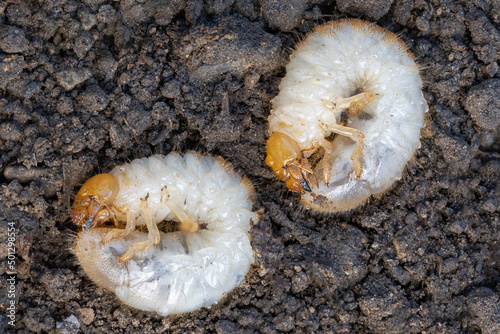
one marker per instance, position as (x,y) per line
(93,205)
(288,162)
(187,224)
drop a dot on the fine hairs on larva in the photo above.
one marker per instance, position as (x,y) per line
(348,115)
(167,273)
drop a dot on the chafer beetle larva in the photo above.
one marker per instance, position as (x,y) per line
(173,272)
(352,91)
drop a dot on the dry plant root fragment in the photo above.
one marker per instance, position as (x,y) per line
(354,90)
(168,273)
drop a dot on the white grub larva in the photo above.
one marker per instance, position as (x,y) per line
(175,272)
(348,115)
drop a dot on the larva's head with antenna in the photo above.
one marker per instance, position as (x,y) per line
(288,163)
(94,201)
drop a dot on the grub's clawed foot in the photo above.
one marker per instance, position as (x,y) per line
(138,247)
(120,233)
(354,104)
(325,167)
(113,234)
(187,222)
(357,154)
(357,136)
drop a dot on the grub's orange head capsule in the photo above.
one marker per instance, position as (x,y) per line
(94,201)
(286,160)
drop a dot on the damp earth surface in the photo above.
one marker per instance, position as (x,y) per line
(89,85)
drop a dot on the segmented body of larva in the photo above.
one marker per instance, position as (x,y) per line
(354,90)
(175,272)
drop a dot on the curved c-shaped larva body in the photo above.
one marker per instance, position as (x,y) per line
(184,270)
(359,82)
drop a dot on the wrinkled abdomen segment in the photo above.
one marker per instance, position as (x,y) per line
(184,272)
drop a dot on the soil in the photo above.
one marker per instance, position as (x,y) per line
(88,85)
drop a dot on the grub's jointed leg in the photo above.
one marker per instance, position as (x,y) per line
(354,103)
(358,137)
(188,223)
(120,233)
(153,238)
(325,163)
